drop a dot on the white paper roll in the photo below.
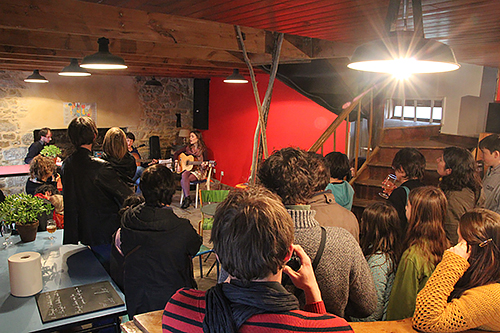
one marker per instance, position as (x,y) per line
(25,273)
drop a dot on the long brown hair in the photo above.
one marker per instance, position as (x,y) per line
(200,144)
(480,228)
(380,231)
(426,222)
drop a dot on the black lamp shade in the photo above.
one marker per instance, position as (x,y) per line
(103,59)
(36,77)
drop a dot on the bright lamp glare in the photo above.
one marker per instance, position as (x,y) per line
(402,67)
(103,66)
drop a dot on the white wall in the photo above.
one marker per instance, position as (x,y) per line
(466,92)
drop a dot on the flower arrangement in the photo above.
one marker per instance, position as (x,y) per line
(50,151)
(23,209)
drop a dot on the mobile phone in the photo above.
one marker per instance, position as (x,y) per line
(294,262)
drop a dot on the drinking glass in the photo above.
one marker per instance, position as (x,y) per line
(51,228)
(388,185)
(6,233)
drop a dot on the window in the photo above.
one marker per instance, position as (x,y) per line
(426,110)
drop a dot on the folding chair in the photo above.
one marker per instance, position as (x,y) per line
(208,197)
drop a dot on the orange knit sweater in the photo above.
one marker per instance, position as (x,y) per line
(477,308)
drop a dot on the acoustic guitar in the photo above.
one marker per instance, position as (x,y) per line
(186,163)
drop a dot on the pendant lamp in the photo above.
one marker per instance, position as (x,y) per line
(236,77)
(403,53)
(36,77)
(103,59)
(73,69)
(153,82)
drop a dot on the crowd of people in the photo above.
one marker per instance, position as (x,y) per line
(293,255)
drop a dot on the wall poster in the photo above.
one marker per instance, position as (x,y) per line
(76,109)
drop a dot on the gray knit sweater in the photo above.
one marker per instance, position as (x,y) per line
(343,275)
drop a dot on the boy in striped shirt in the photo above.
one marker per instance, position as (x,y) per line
(253,237)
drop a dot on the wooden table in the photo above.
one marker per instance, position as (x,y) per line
(63,266)
(151,323)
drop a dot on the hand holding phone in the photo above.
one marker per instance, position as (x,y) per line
(304,277)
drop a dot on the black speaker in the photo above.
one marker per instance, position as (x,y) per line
(493,120)
(200,105)
(154,147)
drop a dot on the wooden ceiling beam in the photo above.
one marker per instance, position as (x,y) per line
(94,20)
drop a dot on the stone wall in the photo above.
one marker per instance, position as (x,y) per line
(159,106)
(13,144)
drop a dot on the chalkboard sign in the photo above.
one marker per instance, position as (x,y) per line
(73,301)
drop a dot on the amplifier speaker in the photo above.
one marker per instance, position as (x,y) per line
(200,104)
(493,119)
(154,147)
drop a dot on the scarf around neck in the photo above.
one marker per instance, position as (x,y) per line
(230,305)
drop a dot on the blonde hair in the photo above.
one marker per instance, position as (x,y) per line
(115,143)
(42,167)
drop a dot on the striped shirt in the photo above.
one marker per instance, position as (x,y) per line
(186,309)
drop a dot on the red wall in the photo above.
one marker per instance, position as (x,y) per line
(293,121)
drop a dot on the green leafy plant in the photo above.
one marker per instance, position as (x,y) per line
(50,151)
(23,209)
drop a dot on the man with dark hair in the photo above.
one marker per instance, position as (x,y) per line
(93,193)
(157,245)
(328,212)
(37,146)
(343,274)
(409,167)
(253,237)
(490,146)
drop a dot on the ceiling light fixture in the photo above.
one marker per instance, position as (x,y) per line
(73,69)
(36,77)
(236,77)
(153,82)
(103,59)
(403,53)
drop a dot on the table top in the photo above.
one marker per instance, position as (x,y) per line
(14,170)
(63,266)
(150,322)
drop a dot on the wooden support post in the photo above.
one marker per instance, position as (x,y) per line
(370,127)
(358,132)
(263,108)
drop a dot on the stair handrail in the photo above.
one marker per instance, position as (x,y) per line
(340,118)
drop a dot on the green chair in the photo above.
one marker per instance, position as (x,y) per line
(208,197)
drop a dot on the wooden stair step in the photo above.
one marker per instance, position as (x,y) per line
(428,144)
(383,164)
(363,203)
(370,182)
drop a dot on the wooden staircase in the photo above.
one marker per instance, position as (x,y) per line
(427,139)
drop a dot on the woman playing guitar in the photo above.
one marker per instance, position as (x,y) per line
(198,150)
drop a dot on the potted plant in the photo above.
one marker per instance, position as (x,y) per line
(24,210)
(50,151)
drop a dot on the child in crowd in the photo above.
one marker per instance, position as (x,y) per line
(381,245)
(409,168)
(490,146)
(464,290)
(461,185)
(51,193)
(426,241)
(340,171)
(42,171)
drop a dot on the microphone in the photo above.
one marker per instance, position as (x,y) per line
(143,145)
